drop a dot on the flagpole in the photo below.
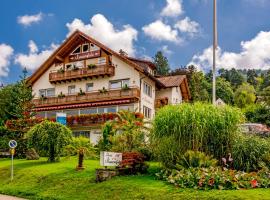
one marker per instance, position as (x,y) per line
(214,50)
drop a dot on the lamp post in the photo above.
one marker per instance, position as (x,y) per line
(215,45)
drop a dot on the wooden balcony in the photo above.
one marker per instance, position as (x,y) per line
(81,73)
(91,97)
(159,103)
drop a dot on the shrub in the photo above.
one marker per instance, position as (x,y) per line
(198,127)
(215,178)
(196,159)
(78,143)
(258,113)
(50,137)
(250,153)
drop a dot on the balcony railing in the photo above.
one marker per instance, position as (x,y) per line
(91,97)
(161,102)
(80,73)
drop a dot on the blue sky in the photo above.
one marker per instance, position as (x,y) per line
(32,29)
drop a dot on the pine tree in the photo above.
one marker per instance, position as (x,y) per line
(161,63)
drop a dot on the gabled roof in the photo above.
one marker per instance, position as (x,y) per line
(143,63)
(72,42)
(172,81)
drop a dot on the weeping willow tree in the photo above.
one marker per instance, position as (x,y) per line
(197,127)
(49,137)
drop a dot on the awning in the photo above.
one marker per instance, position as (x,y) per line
(84,105)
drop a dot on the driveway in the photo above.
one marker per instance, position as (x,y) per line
(5,197)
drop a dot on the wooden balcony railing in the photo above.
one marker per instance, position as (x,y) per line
(161,102)
(80,73)
(91,97)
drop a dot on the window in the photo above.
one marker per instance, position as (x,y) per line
(115,84)
(82,134)
(119,83)
(77,50)
(88,111)
(93,47)
(147,89)
(147,112)
(101,61)
(126,107)
(85,47)
(89,87)
(72,112)
(112,109)
(71,89)
(101,110)
(50,92)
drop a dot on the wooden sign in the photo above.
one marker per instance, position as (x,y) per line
(110,158)
(86,55)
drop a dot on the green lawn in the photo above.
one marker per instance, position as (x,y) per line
(42,180)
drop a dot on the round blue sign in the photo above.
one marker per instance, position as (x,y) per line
(12,144)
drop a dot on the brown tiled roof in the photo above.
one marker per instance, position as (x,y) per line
(172,81)
(143,63)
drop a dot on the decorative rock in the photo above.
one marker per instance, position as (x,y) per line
(105,174)
(31,154)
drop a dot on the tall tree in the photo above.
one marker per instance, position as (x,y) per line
(224,90)
(161,63)
(252,77)
(244,95)
(233,76)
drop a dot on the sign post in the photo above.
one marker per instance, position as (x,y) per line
(12,144)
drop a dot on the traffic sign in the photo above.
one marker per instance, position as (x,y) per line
(12,144)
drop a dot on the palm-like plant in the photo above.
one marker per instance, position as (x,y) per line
(131,131)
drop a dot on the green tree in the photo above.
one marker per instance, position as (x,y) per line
(233,76)
(252,77)
(265,95)
(244,95)
(224,90)
(161,63)
(199,87)
(49,137)
(129,132)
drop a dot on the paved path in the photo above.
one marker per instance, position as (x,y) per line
(5,197)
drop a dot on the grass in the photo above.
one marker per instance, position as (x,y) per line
(42,180)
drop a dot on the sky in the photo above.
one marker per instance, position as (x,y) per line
(32,29)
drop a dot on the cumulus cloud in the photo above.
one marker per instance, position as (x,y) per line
(104,31)
(173,8)
(254,54)
(34,58)
(188,26)
(27,20)
(160,31)
(6,53)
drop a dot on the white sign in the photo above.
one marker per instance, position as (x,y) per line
(110,158)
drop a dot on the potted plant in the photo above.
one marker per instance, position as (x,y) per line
(103,90)
(81,93)
(75,68)
(91,66)
(61,70)
(125,87)
(61,95)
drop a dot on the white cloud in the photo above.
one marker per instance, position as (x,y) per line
(34,58)
(166,50)
(160,31)
(6,53)
(27,20)
(173,8)
(103,30)
(254,54)
(187,26)
(32,46)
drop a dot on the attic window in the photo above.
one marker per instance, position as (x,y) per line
(85,48)
(77,50)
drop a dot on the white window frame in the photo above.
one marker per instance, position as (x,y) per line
(147,112)
(147,89)
(79,46)
(88,49)
(69,90)
(86,87)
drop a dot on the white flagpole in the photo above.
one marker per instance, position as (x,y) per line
(214,50)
